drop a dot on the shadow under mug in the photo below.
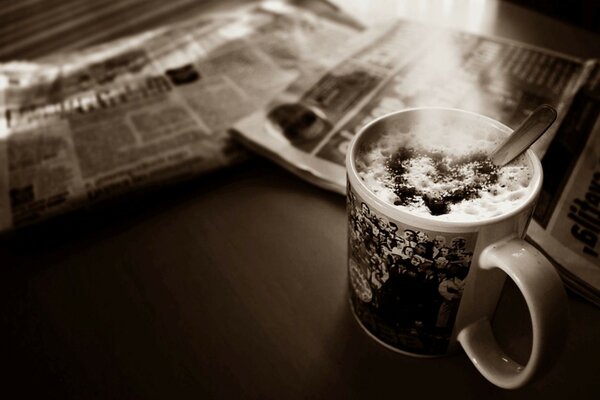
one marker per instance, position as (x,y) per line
(427,314)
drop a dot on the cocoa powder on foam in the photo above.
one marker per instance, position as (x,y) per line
(448,177)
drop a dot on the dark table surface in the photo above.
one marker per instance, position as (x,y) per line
(233,285)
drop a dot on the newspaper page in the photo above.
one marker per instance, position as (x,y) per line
(566,222)
(407,64)
(81,127)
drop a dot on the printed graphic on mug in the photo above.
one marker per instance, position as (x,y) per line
(406,283)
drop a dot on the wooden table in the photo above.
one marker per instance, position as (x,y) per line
(233,285)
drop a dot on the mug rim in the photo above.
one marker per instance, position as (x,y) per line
(422,220)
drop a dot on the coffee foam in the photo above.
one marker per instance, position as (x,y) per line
(450,140)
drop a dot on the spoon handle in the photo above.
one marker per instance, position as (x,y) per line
(528,132)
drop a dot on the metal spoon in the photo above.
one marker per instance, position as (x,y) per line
(525,135)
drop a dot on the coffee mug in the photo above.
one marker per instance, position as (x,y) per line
(420,284)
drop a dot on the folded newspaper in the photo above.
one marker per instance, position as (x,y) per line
(80,127)
(406,64)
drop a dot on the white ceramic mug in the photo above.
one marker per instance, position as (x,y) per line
(417,319)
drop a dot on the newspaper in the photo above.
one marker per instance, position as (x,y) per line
(407,64)
(84,126)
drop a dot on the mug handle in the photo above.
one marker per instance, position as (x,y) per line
(546,299)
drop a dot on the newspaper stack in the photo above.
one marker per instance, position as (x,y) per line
(81,127)
(407,64)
